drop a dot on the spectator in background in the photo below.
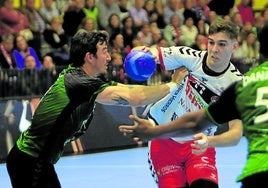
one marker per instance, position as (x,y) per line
(189,31)
(114,24)
(49,68)
(22,49)
(156,36)
(237,19)
(264,14)
(128,31)
(145,35)
(57,40)
(139,14)
(12,21)
(106,8)
(73,17)
(88,24)
(124,8)
(116,42)
(37,24)
(48,62)
(172,32)
(153,14)
(116,69)
(247,54)
(202,10)
(7,60)
(202,27)
(189,10)
(49,10)
(246,11)
(173,7)
(200,42)
(259,22)
(91,11)
(29,62)
(30,81)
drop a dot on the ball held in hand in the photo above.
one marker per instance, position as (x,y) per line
(139,65)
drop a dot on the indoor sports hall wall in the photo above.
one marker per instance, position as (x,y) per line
(20,92)
(102,134)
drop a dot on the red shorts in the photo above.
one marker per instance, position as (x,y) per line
(174,164)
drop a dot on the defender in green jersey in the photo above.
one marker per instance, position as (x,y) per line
(66,110)
(246,100)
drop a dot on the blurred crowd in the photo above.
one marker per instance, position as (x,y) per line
(38,38)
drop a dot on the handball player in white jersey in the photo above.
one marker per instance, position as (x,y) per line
(173,161)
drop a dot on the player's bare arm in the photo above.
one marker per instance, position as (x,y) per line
(145,129)
(137,95)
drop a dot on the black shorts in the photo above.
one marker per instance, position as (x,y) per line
(27,171)
(256,180)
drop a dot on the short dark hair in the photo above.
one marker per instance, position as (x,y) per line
(263,40)
(83,42)
(225,26)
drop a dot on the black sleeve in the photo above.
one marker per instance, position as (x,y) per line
(225,108)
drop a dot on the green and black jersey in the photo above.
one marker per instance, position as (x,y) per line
(63,114)
(248,100)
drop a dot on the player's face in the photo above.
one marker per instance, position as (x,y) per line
(102,59)
(220,49)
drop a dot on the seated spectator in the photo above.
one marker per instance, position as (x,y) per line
(173,7)
(73,17)
(22,49)
(116,70)
(29,62)
(49,68)
(116,42)
(88,24)
(145,35)
(12,21)
(247,54)
(189,31)
(246,11)
(189,10)
(30,81)
(7,59)
(124,8)
(114,24)
(202,27)
(128,31)
(138,14)
(153,14)
(202,10)
(200,42)
(91,11)
(49,10)
(106,8)
(172,32)
(156,36)
(55,37)
(37,24)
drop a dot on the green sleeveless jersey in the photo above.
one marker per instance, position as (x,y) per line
(63,114)
(248,100)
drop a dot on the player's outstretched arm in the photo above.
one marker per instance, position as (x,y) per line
(137,95)
(144,129)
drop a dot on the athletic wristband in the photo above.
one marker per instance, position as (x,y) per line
(172,86)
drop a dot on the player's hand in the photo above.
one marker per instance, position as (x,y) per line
(142,129)
(179,75)
(200,144)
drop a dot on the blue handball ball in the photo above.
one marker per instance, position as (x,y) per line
(139,65)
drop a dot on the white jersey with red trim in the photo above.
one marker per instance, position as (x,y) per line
(201,87)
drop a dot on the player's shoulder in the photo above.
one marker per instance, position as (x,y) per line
(234,72)
(186,50)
